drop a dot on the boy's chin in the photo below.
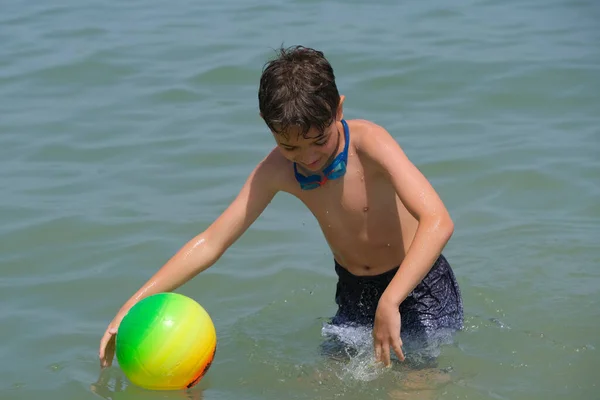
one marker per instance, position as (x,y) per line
(317,166)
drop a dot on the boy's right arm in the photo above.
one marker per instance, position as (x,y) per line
(205,249)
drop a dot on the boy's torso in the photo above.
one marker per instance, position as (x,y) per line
(365,224)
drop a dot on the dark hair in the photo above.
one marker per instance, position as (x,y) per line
(298,89)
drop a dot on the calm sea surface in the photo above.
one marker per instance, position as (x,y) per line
(127,127)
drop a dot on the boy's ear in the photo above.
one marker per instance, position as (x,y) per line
(340,110)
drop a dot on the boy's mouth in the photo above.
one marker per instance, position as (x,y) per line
(313,166)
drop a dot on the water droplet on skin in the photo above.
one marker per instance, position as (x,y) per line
(198,243)
(329,226)
(388,245)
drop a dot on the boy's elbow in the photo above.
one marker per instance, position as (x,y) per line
(446,227)
(442,225)
(215,246)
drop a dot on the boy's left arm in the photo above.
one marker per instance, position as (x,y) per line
(435,227)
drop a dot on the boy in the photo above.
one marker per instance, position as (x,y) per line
(384,223)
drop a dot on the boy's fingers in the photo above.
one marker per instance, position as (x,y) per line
(377,352)
(103,342)
(108,335)
(397,346)
(386,354)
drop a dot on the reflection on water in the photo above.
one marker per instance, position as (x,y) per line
(112,385)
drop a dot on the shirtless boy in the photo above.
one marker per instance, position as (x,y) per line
(385,224)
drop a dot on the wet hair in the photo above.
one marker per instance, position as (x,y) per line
(298,89)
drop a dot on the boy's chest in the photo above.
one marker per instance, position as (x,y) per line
(349,202)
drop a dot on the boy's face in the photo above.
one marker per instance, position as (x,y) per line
(311,151)
(314,150)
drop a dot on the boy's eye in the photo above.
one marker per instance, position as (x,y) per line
(321,142)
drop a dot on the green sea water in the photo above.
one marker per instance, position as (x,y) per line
(127,127)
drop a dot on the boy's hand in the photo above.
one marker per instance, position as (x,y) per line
(107,343)
(386,332)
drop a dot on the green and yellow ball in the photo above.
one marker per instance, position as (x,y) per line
(166,341)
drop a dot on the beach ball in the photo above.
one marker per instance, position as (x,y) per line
(166,341)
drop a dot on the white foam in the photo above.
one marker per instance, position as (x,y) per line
(357,344)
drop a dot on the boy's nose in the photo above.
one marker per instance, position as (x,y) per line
(309,159)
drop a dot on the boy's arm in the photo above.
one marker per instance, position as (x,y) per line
(418,196)
(206,248)
(433,232)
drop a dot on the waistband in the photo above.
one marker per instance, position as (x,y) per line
(345,275)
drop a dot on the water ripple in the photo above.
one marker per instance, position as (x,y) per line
(126,129)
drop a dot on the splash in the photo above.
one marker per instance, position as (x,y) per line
(352,347)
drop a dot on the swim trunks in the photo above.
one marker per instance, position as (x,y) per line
(429,313)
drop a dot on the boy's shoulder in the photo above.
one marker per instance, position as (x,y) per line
(362,128)
(367,134)
(275,168)
(275,161)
